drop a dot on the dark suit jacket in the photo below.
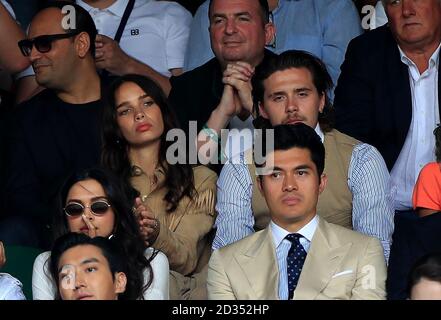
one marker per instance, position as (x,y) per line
(372,98)
(412,239)
(45,145)
(196,93)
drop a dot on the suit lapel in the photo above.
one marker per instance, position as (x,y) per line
(398,78)
(323,259)
(259,265)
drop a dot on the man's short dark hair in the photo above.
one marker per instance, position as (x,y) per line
(300,135)
(296,59)
(111,251)
(264,10)
(428,267)
(83,20)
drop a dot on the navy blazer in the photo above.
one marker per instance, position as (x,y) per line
(373,101)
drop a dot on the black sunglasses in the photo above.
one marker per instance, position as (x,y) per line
(98,208)
(42,43)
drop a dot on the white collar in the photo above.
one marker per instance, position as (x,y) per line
(307,231)
(433,61)
(117,8)
(319,132)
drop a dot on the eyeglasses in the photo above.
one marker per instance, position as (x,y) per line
(42,43)
(98,208)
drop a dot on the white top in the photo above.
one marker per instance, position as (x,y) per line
(419,146)
(10,288)
(44,288)
(156,32)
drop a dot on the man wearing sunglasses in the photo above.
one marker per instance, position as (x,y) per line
(58,130)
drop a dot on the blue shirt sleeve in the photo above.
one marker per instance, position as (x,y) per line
(235,219)
(372,197)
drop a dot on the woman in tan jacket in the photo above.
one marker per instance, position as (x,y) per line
(176,202)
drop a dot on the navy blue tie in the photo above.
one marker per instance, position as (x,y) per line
(294,261)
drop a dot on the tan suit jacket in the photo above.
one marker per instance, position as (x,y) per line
(340,264)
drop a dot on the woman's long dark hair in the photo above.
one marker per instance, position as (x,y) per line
(126,229)
(111,250)
(179,179)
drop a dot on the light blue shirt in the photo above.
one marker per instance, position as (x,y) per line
(282,247)
(368,181)
(10,288)
(322,27)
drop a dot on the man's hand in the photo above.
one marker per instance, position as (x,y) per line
(230,105)
(149,226)
(238,75)
(109,55)
(2,255)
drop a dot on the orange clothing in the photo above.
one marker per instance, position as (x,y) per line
(427,190)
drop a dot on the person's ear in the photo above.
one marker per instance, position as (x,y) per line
(270,33)
(259,181)
(262,111)
(323,182)
(120,282)
(82,44)
(322,102)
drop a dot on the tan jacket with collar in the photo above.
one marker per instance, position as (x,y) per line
(340,264)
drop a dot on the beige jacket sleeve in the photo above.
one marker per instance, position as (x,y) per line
(371,274)
(186,232)
(218,284)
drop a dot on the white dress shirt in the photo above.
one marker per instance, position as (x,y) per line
(283,245)
(418,148)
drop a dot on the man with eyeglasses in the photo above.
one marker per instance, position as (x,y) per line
(58,130)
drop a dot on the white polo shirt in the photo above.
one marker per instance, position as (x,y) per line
(155,34)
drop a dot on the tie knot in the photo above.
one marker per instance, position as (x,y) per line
(294,237)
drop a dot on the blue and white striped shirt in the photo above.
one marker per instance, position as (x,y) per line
(282,247)
(368,181)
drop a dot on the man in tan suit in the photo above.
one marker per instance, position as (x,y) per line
(288,89)
(337,263)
